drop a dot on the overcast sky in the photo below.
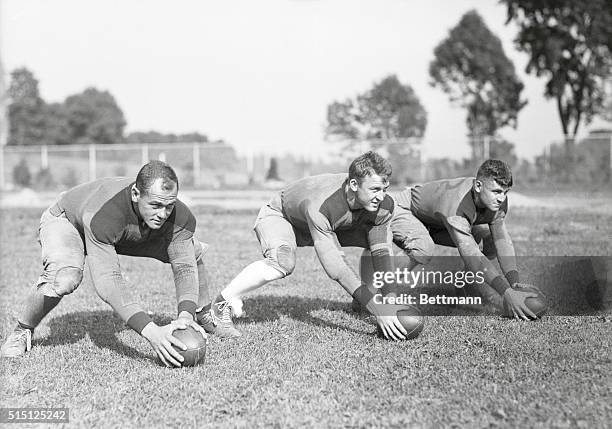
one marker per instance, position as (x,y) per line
(258,74)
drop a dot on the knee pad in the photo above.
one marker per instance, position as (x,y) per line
(67,280)
(282,258)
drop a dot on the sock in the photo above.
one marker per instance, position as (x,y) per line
(23,326)
(36,307)
(201,312)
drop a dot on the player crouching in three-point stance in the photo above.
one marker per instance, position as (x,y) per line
(102,219)
(326,211)
(465,213)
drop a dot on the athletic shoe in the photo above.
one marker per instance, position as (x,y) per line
(218,321)
(17,344)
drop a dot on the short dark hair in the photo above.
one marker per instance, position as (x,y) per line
(368,164)
(152,171)
(497,170)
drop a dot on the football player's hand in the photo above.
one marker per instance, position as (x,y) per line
(161,340)
(515,300)
(391,328)
(185,319)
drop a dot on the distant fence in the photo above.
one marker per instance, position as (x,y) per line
(198,165)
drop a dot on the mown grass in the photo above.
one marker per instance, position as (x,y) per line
(305,359)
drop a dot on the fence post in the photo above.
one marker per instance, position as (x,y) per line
(610,159)
(44,157)
(145,153)
(196,164)
(92,162)
(2,182)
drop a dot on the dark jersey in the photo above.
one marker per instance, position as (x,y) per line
(108,222)
(448,203)
(318,206)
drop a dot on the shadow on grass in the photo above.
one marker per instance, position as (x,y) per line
(101,326)
(265,308)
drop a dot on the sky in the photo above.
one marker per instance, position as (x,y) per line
(258,74)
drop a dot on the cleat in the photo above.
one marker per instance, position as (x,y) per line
(218,321)
(17,344)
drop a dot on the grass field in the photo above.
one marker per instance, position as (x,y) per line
(305,359)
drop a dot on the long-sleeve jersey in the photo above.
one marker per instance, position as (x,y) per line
(318,206)
(106,218)
(449,205)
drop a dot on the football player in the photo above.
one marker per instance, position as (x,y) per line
(328,212)
(110,217)
(467,213)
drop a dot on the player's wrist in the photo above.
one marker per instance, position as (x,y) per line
(147,331)
(513,277)
(501,285)
(186,315)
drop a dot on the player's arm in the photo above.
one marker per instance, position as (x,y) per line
(332,259)
(379,238)
(504,247)
(460,231)
(103,263)
(181,253)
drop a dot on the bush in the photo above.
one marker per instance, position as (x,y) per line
(44,179)
(70,179)
(21,174)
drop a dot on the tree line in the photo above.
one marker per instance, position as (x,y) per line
(568,42)
(90,117)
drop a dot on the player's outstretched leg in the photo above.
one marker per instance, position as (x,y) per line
(219,313)
(216,318)
(36,307)
(18,342)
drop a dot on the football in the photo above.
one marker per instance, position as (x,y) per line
(536,304)
(412,321)
(196,346)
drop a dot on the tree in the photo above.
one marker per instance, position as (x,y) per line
(569,42)
(26,109)
(272,173)
(156,137)
(471,66)
(57,131)
(389,110)
(94,117)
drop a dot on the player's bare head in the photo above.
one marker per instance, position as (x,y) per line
(151,172)
(497,170)
(369,164)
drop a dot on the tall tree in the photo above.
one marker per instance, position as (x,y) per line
(569,42)
(471,66)
(94,117)
(389,110)
(26,109)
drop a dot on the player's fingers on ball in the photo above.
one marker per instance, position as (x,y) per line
(161,357)
(395,333)
(173,356)
(178,343)
(383,328)
(521,313)
(179,324)
(399,326)
(529,313)
(198,328)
